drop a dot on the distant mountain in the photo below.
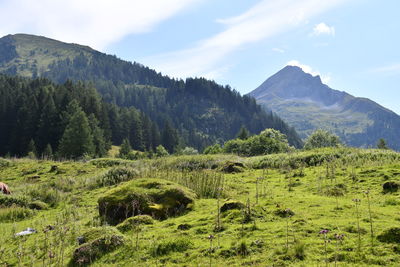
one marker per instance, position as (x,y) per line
(305,103)
(202,111)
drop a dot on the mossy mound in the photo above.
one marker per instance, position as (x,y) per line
(284,213)
(38,205)
(232,167)
(96,242)
(131,222)
(391,235)
(390,187)
(155,197)
(232,205)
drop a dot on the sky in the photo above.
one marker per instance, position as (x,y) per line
(354,45)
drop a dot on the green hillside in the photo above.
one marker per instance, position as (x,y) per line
(202,111)
(270,211)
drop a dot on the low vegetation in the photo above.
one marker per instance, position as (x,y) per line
(319,207)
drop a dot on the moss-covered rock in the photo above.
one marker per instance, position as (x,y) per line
(95,243)
(155,197)
(391,235)
(233,167)
(131,222)
(232,205)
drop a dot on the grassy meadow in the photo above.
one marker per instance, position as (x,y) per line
(324,207)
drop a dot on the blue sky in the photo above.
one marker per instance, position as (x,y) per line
(353,44)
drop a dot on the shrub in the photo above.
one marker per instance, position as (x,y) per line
(103,163)
(45,194)
(117,175)
(267,142)
(168,246)
(214,149)
(189,151)
(161,151)
(10,200)
(321,138)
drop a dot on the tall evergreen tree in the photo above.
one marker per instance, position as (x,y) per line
(77,139)
(170,138)
(100,145)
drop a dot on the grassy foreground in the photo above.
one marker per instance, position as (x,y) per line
(315,208)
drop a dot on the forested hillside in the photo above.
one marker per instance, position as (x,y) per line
(201,111)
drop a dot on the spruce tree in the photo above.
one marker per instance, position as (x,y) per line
(77,139)
(100,145)
(170,138)
(48,152)
(125,148)
(243,133)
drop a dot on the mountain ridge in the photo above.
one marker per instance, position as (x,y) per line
(307,104)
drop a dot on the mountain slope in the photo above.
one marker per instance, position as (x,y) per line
(307,104)
(202,111)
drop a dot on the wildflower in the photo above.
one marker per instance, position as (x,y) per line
(324,232)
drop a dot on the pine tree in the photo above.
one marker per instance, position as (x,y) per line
(382,144)
(125,148)
(48,152)
(77,139)
(32,152)
(100,146)
(243,133)
(170,138)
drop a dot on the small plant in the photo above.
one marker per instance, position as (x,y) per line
(357,203)
(325,232)
(339,239)
(370,219)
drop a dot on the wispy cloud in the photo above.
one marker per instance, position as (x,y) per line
(393,69)
(308,69)
(263,20)
(322,28)
(97,23)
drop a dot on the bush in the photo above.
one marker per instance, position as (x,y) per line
(161,151)
(321,138)
(117,175)
(45,194)
(267,142)
(214,149)
(189,151)
(166,247)
(8,201)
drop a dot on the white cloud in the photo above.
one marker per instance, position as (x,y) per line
(393,69)
(306,68)
(263,20)
(322,28)
(97,23)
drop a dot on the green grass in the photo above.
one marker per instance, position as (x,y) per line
(256,236)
